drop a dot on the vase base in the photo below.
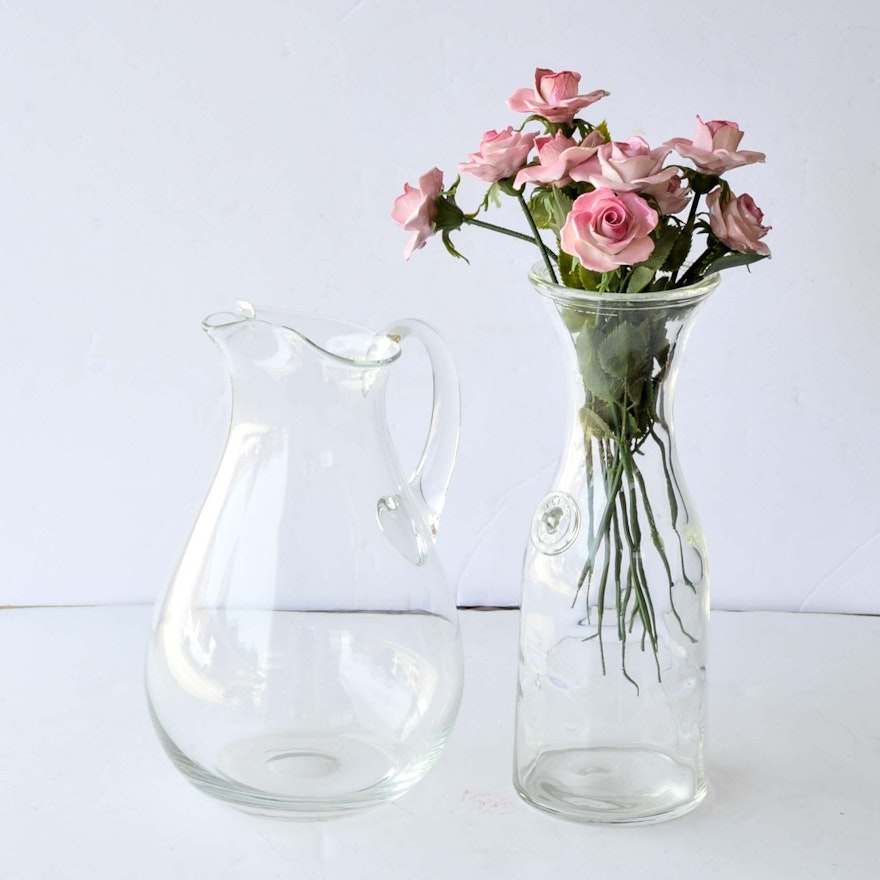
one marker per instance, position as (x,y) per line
(290,777)
(611,786)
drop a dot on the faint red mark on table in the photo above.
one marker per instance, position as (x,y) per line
(488,800)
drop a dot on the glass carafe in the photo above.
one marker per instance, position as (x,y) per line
(612,697)
(306,659)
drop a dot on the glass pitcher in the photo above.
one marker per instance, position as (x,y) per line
(306,660)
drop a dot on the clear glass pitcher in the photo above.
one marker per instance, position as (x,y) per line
(306,657)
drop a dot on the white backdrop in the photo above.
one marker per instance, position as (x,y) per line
(160,158)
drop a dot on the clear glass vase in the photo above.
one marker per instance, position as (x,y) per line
(306,660)
(611,699)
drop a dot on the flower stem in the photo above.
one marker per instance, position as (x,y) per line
(503,230)
(688,230)
(537,237)
(697,267)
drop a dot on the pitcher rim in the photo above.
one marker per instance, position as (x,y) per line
(572,296)
(248,313)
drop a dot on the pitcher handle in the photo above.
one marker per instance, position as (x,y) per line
(430,479)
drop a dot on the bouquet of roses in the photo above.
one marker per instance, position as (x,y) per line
(624,222)
(612,206)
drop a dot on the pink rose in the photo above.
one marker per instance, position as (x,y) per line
(713,149)
(604,230)
(671,195)
(556,156)
(502,154)
(738,222)
(628,166)
(554,97)
(416,209)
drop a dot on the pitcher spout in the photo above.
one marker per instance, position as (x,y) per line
(298,333)
(219,325)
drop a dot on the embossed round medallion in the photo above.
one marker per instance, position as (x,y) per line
(556,523)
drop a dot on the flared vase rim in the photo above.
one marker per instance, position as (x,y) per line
(572,296)
(246,313)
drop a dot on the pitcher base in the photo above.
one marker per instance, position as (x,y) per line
(294,777)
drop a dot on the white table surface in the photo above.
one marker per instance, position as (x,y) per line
(86,791)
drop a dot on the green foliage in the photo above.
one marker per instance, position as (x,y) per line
(589,280)
(593,425)
(621,362)
(665,236)
(449,216)
(642,275)
(492,198)
(561,206)
(624,354)
(541,208)
(701,183)
(568,270)
(729,261)
(678,253)
(549,207)
(597,380)
(447,241)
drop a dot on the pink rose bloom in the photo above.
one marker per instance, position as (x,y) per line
(604,230)
(671,195)
(556,156)
(738,223)
(555,96)
(713,149)
(627,166)
(502,154)
(416,209)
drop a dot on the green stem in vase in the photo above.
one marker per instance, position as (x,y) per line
(633,532)
(618,566)
(658,544)
(671,488)
(545,253)
(613,474)
(600,601)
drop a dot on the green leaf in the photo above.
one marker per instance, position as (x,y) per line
(574,275)
(599,384)
(549,127)
(603,127)
(568,270)
(642,275)
(541,207)
(447,241)
(625,352)
(549,208)
(654,328)
(665,238)
(589,280)
(575,319)
(451,190)
(681,247)
(593,425)
(597,381)
(729,261)
(492,198)
(561,206)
